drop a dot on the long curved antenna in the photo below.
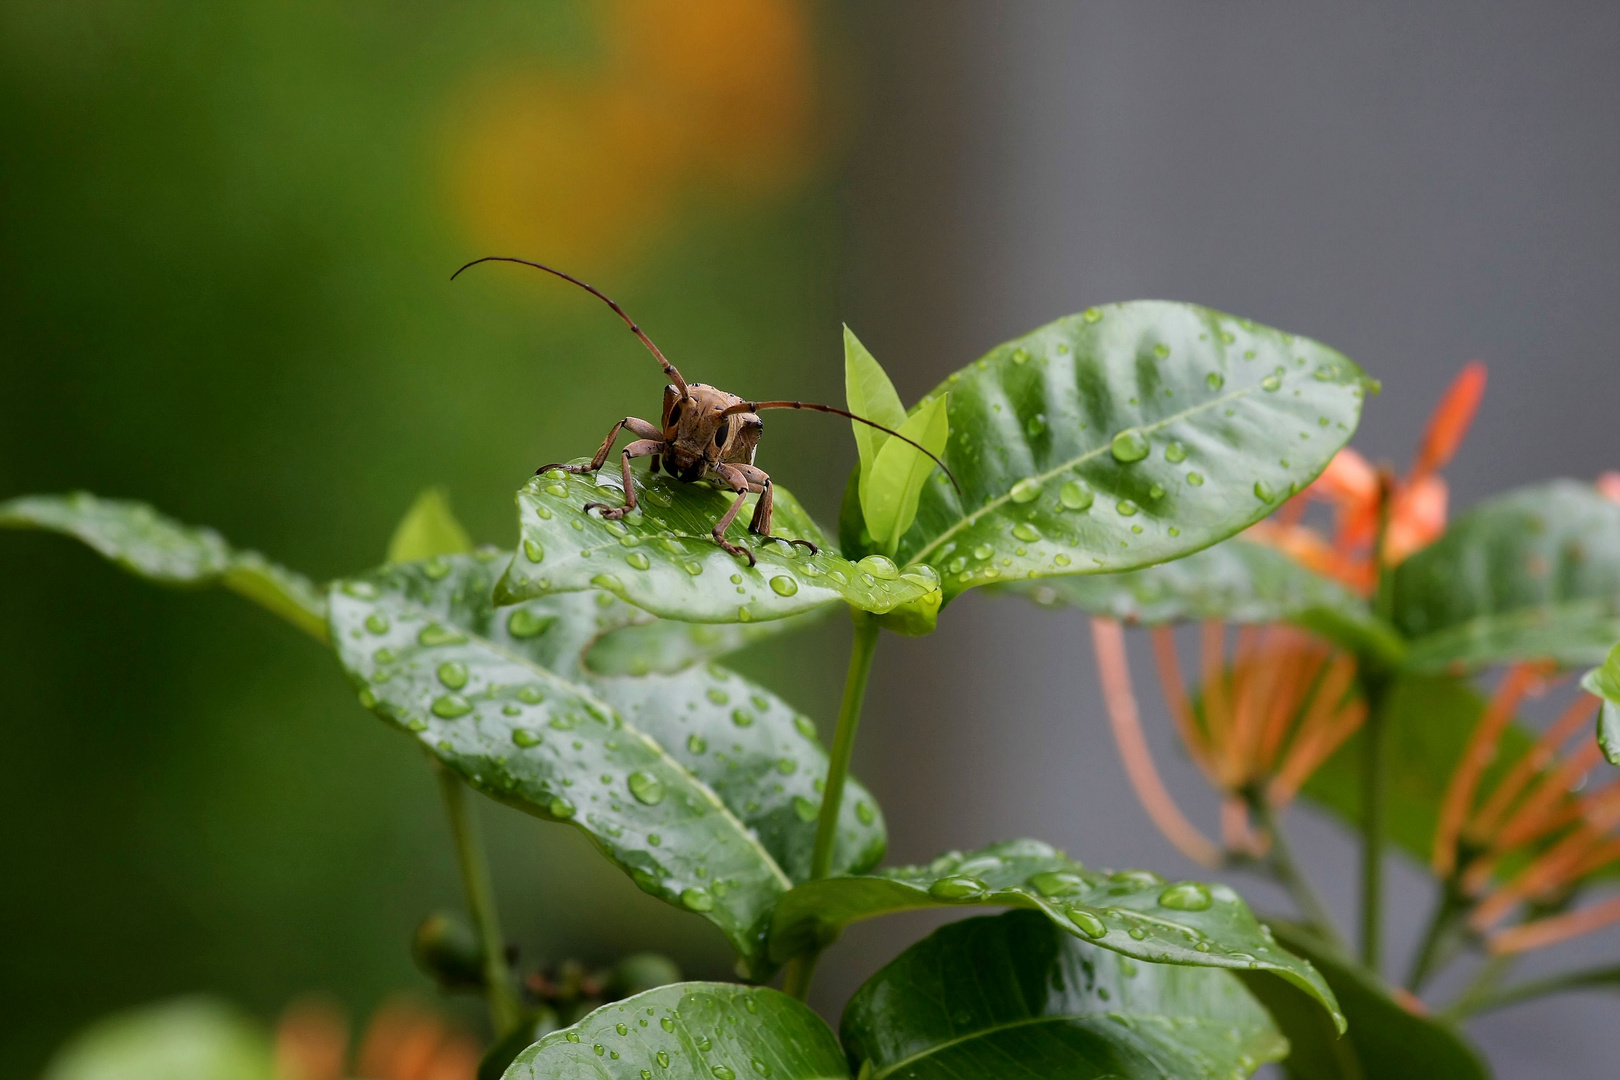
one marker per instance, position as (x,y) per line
(669,368)
(760,406)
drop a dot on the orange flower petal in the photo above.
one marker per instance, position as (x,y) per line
(1450,420)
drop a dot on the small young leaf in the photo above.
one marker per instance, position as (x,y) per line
(1604,681)
(427,529)
(690,1031)
(1011,996)
(1235,581)
(869,394)
(160,549)
(894,484)
(1123,437)
(664,560)
(1384,1041)
(1532,574)
(1134,913)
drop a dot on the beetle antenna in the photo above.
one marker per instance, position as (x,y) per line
(669,368)
(761,406)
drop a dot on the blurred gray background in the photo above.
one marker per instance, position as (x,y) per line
(1419,185)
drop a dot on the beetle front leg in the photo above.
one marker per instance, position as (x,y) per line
(760,481)
(639,428)
(639,448)
(734,478)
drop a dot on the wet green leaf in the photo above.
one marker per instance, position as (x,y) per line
(1531,574)
(889,500)
(663,559)
(427,529)
(648,644)
(1134,913)
(690,1031)
(1237,582)
(1011,997)
(1604,681)
(1429,721)
(1384,1041)
(695,805)
(160,549)
(193,1038)
(1123,437)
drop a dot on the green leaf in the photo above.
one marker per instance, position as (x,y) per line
(1604,681)
(1429,721)
(160,549)
(1123,437)
(1237,581)
(1134,913)
(1010,997)
(501,698)
(192,1038)
(1531,574)
(646,644)
(889,494)
(1384,1041)
(690,1031)
(428,528)
(869,393)
(664,560)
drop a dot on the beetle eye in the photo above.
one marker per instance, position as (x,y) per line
(720,433)
(675,414)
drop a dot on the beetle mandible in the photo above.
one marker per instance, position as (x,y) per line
(704,433)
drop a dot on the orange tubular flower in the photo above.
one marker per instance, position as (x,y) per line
(1350,484)
(403,1042)
(1268,716)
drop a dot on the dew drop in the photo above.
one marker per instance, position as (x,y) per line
(742,718)
(1214,380)
(560,808)
(525,623)
(453,673)
(1138,933)
(1187,896)
(1026,532)
(806,810)
(1088,922)
(608,582)
(434,635)
(1271,383)
(783,585)
(1092,315)
(697,744)
(1060,559)
(377,623)
(1161,350)
(1175,453)
(697,900)
(436,569)
(1076,495)
(531,695)
(638,560)
(1126,508)
(1025,490)
(956,888)
(1264,491)
(760,1067)
(1156,491)
(1129,446)
(1056,883)
(1035,426)
(983,551)
(864,811)
(646,787)
(1195,479)
(525,737)
(722,1073)
(533,551)
(693,568)
(450,706)
(1136,878)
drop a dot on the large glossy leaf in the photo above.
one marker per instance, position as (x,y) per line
(1134,913)
(690,1031)
(702,799)
(663,559)
(1123,437)
(645,644)
(1604,681)
(1429,721)
(1385,1041)
(163,550)
(1238,582)
(192,1038)
(1011,997)
(1531,574)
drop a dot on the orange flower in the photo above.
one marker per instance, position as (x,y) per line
(1417,510)
(404,1042)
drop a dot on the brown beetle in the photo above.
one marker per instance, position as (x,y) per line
(704,434)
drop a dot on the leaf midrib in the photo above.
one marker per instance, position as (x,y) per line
(1071,463)
(1026,1022)
(748,835)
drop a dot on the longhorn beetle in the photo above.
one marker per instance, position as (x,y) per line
(704,434)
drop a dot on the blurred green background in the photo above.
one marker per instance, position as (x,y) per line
(227,232)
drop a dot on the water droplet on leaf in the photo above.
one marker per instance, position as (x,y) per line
(1129,446)
(646,787)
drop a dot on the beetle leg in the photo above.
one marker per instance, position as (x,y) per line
(734,478)
(760,481)
(639,448)
(639,428)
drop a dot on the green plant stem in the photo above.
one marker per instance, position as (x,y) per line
(800,971)
(849,718)
(504,1011)
(1447,909)
(1552,984)
(1288,873)
(1374,768)
(1480,990)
